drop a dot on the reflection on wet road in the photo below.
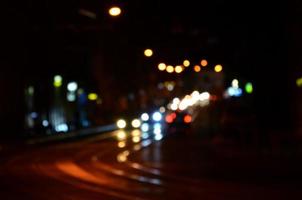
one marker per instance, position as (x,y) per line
(135,164)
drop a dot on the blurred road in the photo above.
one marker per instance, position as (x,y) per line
(136,165)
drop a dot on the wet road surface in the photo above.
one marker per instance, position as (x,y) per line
(136,165)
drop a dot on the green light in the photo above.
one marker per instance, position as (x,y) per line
(57,81)
(299,82)
(92,96)
(249,88)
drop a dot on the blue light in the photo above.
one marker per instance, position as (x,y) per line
(157,126)
(145,127)
(62,128)
(157,116)
(236,92)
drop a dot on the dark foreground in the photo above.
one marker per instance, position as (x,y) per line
(141,166)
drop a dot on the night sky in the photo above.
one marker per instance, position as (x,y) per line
(253,40)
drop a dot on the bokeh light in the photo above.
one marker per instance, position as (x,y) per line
(115,11)
(57,81)
(197,68)
(162,66)
(204,63)
(178,69)
(136,123)
(218,68)
(186,63)
(148,52)
(170,69)
(121,123)
(249,88)
(92,96)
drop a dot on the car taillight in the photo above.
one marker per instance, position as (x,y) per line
(187,119)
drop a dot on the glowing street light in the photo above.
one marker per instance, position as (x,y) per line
(186,63)
(72,86)
(136,123)
(178,69)
(121,123)
(115,11)
(148,52)
(235,83)
(162,66)
(204,63)
(197,68)
(218,68)
(170,69)
(57,81)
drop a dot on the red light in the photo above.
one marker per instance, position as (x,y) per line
(187,119)
(169,119)
(173,115)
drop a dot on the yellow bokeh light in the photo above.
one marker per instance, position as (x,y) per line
(121,123)
(178,69)
(121,135)
(121,144)
(186,63)
(162,66)
(170,69)
(57,81)
(115,11)
(148,52)
(197,68)
(218,68)
(92,96)
(136,139)
(204,63)
(136,123)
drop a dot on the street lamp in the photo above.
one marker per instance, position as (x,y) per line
(148,52)
(72,86)
(115,11)
(218,68)
(204,63)
(57,81)
(186,63)
(197,68)
(178,69)
(162,66)
(170,69)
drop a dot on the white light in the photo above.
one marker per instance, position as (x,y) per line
(121,135)
(162,109)
(157,116)
(176,100)
(145,127)
(235,83)
(45,123)
(183,105)
(157,131)
(71,97)
(174,107)
(136,123)
(145,117)
(170,87)
(204,96)
(72,86)
(58,78)
(145,135)
(62,128)
(157,126)
(121,123)
(158,137)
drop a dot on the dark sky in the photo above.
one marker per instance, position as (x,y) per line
(251,38)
